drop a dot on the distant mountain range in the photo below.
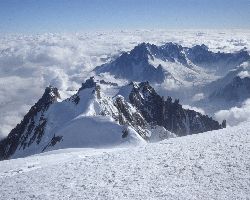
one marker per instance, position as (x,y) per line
(171,61)
(221,78)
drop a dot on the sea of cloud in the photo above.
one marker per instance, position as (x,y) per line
(29,63)
(235,115)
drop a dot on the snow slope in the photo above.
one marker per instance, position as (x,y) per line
(83,120)
(212,165)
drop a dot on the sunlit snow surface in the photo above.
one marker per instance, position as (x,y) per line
(212,165)
(29,63)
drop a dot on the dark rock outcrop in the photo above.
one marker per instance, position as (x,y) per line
(89,83)
(155,109)
(29,130)
(134,119)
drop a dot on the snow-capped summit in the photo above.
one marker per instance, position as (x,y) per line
(90,118)
(134,65)
(173,52)
(89,83)
(51,94)
(142,51)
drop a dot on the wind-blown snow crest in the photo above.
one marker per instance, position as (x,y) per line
(84,120)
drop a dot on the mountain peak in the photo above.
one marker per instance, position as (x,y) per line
(201,47)
(143,45)
(51,92)
(146,87)
(142,86)
(89,83)
(50,95)
(134,84)
(171,45)
(141,51)
(81,122)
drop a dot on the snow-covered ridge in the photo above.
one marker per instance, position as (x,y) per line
(91,119)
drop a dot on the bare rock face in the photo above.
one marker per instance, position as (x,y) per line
(89,83)
(131,116)
(31,128)
(169,114)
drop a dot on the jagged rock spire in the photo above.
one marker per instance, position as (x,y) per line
(89,83)
(51,94)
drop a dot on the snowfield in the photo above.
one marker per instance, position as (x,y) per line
(212,165)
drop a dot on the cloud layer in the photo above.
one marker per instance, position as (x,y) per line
(28,63)
(235,115)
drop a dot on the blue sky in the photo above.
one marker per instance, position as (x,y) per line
(86,15)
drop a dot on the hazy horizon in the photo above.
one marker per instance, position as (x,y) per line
(30,16)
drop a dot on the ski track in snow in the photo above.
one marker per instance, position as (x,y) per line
(212,165)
